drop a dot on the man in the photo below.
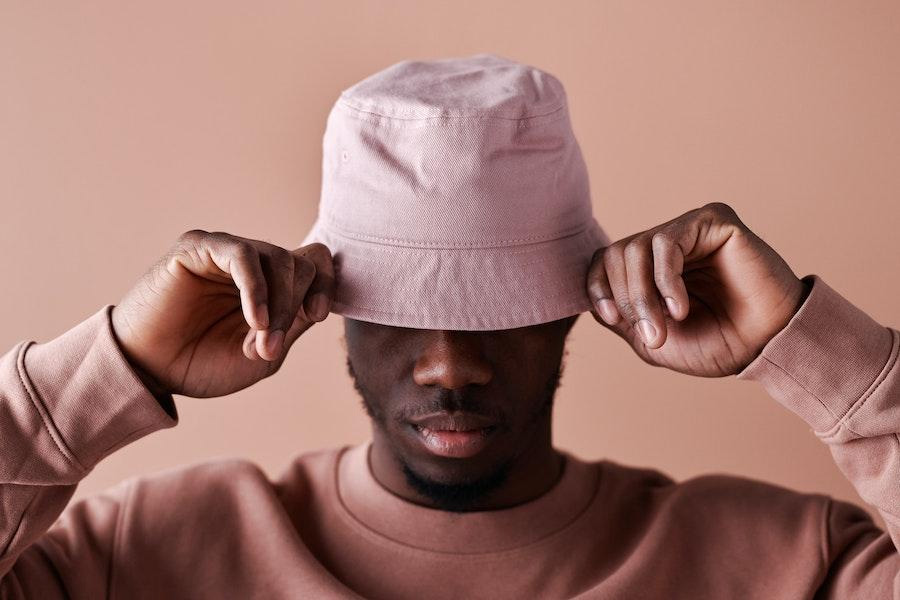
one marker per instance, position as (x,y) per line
(455,236)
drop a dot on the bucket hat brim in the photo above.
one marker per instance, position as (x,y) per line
(469,289)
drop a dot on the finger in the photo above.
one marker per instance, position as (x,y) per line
(703,231)
(614,264)
(304,275)
(668,266)
(319,296)
(302,321)
(642,292)
(599,291)
(278,267)
(249,345)
(235,258)
(248,277)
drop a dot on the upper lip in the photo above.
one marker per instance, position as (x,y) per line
(456,421)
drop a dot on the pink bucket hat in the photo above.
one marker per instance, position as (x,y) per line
(454,196)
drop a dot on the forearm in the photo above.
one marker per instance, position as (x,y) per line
(64,406)
(838,369)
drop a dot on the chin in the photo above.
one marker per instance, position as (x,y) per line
(452,471)
(457,487)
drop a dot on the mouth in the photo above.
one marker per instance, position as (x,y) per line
(454,435)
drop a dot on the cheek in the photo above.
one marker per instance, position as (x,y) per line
(376,381)
(531,380)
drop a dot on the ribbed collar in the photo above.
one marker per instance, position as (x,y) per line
(375,511)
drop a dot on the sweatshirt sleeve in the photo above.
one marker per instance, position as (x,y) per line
(64,406)
(838,369)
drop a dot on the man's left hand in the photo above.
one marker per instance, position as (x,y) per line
(730,292)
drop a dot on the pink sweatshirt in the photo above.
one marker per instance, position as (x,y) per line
(326,529)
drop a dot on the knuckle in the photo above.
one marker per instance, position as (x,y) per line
(243,251)
(611,262)
(305,267)
(598,287)
(192,235)
(616,246)
(596,269)
(623,303)
(721,210)
(613,253)
(629,312)
(663,273)
(634,248)
(172,259)
(598,281)
(640,302)
(191,239)
(320,248)
(282,260)
(661,240)
(664,279)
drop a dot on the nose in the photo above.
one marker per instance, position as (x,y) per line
(452,359)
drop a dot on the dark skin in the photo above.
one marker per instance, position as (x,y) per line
(700,294)
(509,374)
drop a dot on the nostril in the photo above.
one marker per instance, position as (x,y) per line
(451,374)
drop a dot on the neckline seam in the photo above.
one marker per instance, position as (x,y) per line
(360,526)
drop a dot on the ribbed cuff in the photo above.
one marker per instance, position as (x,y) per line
(90,398)
(826,358)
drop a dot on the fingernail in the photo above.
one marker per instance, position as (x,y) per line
(673,306)
(608,311)
(648,331)
(273,342)
(319,306)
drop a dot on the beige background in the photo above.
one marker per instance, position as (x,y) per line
(122,126)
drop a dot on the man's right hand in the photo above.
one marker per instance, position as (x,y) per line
(219,312)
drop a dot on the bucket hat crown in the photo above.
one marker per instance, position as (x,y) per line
(454,196)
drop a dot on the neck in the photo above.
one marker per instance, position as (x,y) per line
(531,474)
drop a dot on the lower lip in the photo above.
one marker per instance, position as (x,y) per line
(454,444)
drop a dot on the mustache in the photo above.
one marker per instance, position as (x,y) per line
(447,400)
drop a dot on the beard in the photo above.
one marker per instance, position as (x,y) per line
(458,496)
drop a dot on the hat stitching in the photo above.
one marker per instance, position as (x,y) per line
(362,237)
(544,311)
(481,324)
(418,301)
(544,260)
(451,113)
(581,274)
(563,280)
(499,251)
(458,120)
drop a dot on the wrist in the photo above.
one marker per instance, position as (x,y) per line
(159,391)
(800,292)
(162,395)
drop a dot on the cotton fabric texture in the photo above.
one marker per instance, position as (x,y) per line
(455,196)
